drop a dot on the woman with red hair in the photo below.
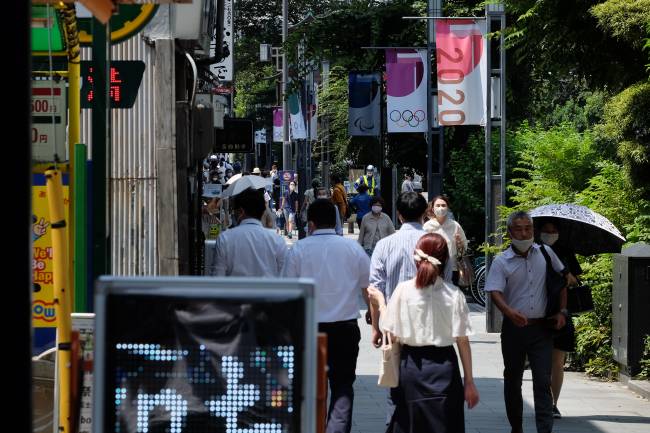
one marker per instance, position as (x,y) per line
(427,315)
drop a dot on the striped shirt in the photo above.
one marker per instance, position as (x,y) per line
(392,260)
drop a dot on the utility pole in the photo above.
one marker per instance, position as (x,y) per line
(286,140)
(434,185)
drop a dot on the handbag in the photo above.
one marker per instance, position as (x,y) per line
(466,275)
(555,282)
(580,299)
(389,370)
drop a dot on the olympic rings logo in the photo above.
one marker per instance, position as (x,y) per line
(407,117)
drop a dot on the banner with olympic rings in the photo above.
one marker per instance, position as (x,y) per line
(406,88)
(461,53)
(364,113)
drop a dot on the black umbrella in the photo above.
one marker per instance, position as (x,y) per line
(584,231)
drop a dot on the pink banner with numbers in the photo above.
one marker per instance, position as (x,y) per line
(461,53)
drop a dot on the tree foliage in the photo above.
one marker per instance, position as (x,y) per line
(628,126)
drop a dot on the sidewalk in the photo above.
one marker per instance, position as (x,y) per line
(586,405)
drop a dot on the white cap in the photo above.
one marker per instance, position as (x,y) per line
(257,170)
(370,168)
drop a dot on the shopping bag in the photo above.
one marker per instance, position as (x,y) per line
(466,275)
(389,370)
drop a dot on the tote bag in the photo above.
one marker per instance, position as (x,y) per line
(389,370)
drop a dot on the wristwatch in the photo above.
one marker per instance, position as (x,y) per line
(565,312)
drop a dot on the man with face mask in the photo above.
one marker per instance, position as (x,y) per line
(338,284)
(517,285)
(249,250)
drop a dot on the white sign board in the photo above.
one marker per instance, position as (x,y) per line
(224,69)
(49,120)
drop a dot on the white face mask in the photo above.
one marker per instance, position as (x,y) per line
(522,246)
(549,238)
(376,209)
(441,211)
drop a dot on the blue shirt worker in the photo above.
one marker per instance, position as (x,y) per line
(339,267)
(249,250)
(517,285)
(368,180)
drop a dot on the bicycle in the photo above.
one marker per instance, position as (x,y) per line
(477,289)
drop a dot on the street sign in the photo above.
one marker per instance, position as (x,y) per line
(125,78)
(235,137)
(49,120)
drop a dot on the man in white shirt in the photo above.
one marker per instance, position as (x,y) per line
(249,250)
(339,266)
(517,285)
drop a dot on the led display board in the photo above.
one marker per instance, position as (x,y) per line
(124,77)
(199,354)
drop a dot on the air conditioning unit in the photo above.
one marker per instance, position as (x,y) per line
(196,22)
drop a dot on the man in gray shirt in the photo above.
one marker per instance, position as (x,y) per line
(517,285)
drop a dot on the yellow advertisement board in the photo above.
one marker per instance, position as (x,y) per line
(43,311)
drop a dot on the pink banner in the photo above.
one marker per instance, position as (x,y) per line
(461,53)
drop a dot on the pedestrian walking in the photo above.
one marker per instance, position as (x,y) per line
(565,340)
(361,202)
(516,282)
(321,193)
(407,184)
(248,250)
(338,282)
(289,208)
(309,197)
(374,226)
(391,262)
(339,196)
(439,209)
(427,315)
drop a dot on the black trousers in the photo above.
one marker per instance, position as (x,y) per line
(342,352)
(536,342)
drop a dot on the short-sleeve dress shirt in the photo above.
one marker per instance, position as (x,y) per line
(249,250)
(392,260)
(339,266)
(432,316)
(522,280)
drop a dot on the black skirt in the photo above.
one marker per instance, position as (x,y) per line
(430,395)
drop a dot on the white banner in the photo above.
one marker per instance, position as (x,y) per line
(224,69)
(297,122)
(406,88)
(461,52)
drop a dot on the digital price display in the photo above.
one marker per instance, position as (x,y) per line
(204,357)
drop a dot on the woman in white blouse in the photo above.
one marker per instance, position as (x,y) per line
(449,229)
(427,315)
